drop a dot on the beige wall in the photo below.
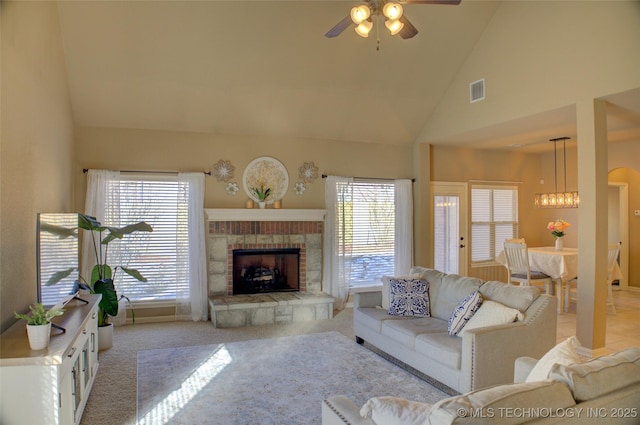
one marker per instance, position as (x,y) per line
(538,56)
(36,145)
(124,149)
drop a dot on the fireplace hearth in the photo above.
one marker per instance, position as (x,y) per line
(266,270)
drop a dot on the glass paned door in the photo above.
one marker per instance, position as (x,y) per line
(449,227)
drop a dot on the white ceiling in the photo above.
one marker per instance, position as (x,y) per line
(265,68)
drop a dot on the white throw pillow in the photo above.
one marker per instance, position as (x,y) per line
(386,289)
(395,411)
(564,353)
(491,313)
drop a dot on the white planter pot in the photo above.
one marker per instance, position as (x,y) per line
(262,205)
(39,336)
(105,337)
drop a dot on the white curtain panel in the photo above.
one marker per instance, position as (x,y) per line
(192,265)
(97,198)
(404,227)
(335,273)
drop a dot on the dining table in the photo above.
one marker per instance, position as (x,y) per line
(561,266)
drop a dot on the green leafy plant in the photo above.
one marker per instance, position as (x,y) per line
(261,193)
(39,316)
(103,275)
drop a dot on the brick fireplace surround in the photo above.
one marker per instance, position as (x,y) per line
(230,229)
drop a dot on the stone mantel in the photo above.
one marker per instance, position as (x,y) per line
(267,214)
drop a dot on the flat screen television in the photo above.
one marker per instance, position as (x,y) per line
(57,258)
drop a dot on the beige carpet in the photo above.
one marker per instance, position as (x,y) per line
(276,381)
(113,398)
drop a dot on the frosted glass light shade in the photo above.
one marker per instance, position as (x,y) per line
(360,14)
(394,26)
(363,29)
(392,10)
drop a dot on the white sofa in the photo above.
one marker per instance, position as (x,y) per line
(482,356)
(605,390)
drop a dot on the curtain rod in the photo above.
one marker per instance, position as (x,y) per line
(208,173)
(324,176)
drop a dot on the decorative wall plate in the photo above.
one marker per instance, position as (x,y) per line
(268,172)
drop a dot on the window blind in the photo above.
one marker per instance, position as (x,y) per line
(494,218)
(366,229)
(161,202)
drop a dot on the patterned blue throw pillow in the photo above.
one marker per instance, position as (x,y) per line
(463,312)
(409,297)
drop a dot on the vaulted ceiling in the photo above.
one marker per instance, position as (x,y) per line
(265,68)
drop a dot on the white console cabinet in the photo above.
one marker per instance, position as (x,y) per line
(50,386)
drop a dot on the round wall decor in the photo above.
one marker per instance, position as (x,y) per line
(264,173)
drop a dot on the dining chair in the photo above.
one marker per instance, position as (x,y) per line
(517,263)
(613,250)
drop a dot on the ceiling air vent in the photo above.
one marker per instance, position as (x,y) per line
(476,90)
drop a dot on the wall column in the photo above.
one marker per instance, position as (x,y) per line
(592,233)
(422,242)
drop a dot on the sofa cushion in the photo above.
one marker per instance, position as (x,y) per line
(372,317)
(491,313)
(463,312)
(599,376)
(488,405)
(409,297)
(518,297)
(395,411)
(440,347)
(386,289)
(563,353)
(446,292)
(404,331)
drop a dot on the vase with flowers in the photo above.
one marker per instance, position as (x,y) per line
(262,194)
(557,229)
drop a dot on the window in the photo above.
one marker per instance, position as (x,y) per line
(494,218)
(366,230)
(159,201)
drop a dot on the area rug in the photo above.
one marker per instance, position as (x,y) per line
(267,381)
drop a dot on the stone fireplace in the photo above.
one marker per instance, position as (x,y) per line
(272,231)
(257,271)
(232,230)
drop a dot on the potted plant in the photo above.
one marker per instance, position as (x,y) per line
(103,275)
(262,194)
(39,325)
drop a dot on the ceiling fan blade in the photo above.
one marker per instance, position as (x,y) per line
(408,30)
(339,28)
(449,2)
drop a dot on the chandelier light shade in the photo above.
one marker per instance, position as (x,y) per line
(392,11)
(364,28)
(360,14)
(558,199)
(394,26)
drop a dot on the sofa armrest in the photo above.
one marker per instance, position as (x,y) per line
(489,354)
(340,410)
(522,368)
(367,299)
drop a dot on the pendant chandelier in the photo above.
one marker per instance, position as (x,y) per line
(558,199)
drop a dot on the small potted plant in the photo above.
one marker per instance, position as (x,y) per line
(262,194)
(39,325)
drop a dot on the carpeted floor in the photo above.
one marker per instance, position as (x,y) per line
(265,381)
(113,398)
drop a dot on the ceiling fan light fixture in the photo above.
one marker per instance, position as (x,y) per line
(360,14)
(392,11)
(394,26)
(364,28)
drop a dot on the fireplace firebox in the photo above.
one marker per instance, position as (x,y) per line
(266,270)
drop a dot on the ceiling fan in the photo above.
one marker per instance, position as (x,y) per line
(395,21)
